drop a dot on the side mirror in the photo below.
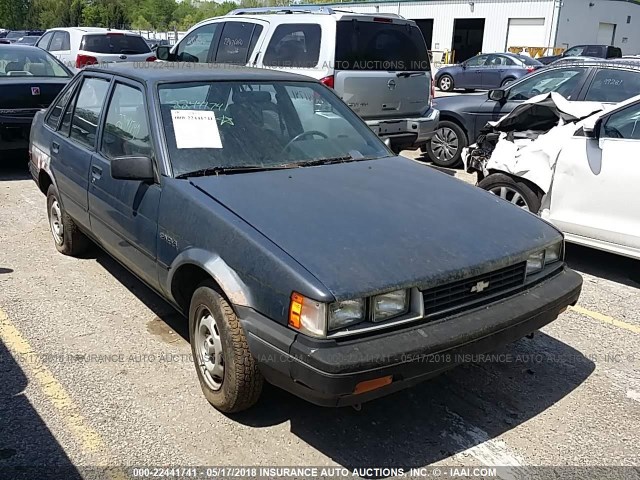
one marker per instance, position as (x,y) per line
(463,65)
(132,168)
(498,95)
(164,53)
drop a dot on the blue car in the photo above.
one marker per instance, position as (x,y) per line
(485,71)
(302,251)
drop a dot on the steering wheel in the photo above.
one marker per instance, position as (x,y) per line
(302,135)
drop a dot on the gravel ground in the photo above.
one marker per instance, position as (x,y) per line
(94,370)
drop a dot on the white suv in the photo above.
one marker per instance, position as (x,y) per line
(377,63)
(81,46)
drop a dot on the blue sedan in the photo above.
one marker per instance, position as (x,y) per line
(486,71)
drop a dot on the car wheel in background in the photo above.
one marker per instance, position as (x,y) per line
(507,81)
(445,148)
(68,239)
(445,83)
(518,191)
(228,373)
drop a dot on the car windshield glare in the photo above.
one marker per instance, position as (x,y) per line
(29,62)
(217,126)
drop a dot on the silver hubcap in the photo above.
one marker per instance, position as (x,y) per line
(209,350)
(444,144)
(445,83)
(510,195)
(55,221)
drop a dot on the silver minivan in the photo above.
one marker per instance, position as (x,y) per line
(377,63)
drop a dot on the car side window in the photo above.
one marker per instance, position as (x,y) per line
(58,107)
(60,42)
(44,41)
(623,124)
(86,115)
(574,51)
(195,46)
(126,131)
(235,40)
(478,61)
(564,81)
(497,60)
(294,45)
(613,86)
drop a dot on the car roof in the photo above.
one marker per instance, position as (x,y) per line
(156,72)
(91,30)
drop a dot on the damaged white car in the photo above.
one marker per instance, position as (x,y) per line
(573,163)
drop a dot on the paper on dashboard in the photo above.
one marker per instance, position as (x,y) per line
(196,129)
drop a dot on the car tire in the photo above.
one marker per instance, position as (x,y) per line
(507,81)
(229,375)
(67,237)
(445,83)
(445,147)
(518,191)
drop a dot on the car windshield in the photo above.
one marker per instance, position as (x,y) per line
(29,62)
(235,125)
(16,34)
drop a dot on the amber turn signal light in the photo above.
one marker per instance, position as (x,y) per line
(295,310)
(369,385)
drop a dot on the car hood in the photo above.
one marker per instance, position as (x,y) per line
(456,102)
(367,227)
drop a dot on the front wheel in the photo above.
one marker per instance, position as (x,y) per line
(228,373)
(512,189)
(445,148)
(445,83)
(67,238)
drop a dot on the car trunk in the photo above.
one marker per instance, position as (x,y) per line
(21,97)
(382,67)
(116,47)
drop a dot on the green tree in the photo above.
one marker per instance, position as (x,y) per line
(14,14)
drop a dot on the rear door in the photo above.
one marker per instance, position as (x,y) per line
(495,70)
(382,68)
(74,143)
(238,41)
(115,47)
(613,85)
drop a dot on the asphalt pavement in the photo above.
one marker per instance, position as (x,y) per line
(95,370)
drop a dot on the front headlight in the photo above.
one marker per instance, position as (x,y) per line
(345,313)
(535,262)
(389,305)
(553,253)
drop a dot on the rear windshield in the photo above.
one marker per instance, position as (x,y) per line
(380,46)
(115,43)
(529,61)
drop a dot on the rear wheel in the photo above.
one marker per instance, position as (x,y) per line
(68,239)
(445,83)
(518,191)
(445,148)
(507,81)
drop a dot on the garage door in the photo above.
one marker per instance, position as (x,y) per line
(606,33)
(525,32)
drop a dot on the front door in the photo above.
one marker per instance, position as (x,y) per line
(124,213)
(594,193)
(471,74)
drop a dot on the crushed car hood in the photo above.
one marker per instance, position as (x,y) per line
(372,226)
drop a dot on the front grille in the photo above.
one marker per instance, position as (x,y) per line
(464,292)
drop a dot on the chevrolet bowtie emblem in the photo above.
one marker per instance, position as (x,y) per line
(479,287)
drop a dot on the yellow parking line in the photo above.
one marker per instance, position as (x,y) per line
(88,439)
(606,319)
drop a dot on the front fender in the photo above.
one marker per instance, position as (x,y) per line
(228,280)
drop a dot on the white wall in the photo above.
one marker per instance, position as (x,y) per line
(495,13)
(579,23)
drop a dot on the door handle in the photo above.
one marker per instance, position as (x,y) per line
(55,147)
(96,173)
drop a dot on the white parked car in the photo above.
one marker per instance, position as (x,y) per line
(581,175)
(377,63)
(81,46)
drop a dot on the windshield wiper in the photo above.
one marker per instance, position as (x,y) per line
(325,161)
(408,74)
(231,170)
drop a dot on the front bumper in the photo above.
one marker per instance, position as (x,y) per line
(406,133)
(326,372)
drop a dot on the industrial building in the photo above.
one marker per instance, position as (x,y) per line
(468,27)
